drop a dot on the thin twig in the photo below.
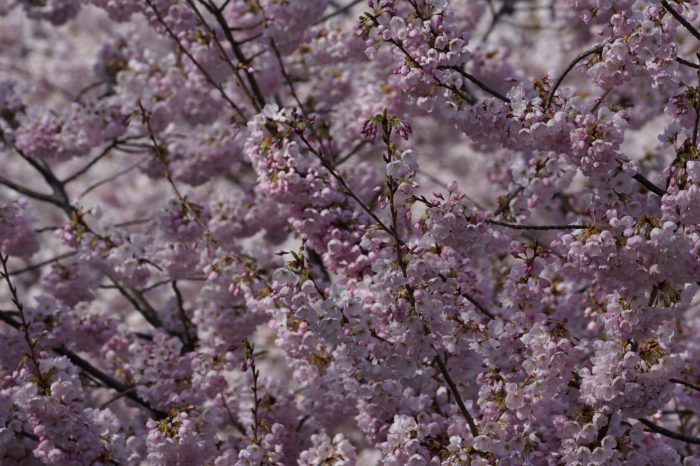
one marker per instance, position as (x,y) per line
(90,164)
(112,177)
(600,100)
(339,11)
(204,72)
(352,152)
(88,88)
(257,98)
(38,265)
(344,185)
(506,8)
(118,396)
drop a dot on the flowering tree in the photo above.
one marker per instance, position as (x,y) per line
(398,232)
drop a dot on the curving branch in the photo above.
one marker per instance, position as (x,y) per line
(596,49)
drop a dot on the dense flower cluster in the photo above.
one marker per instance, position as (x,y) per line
(314,232)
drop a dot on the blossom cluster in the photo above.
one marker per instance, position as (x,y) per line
(314,232)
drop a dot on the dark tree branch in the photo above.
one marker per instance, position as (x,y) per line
(30,193)
(641,179)
(686,384)
(109,381)
(681,19)
(685,62)
(190,339)
(79,362)
(515,226)
(477,304)
(455,392)
(596,49)
(669,433)
(140,304)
